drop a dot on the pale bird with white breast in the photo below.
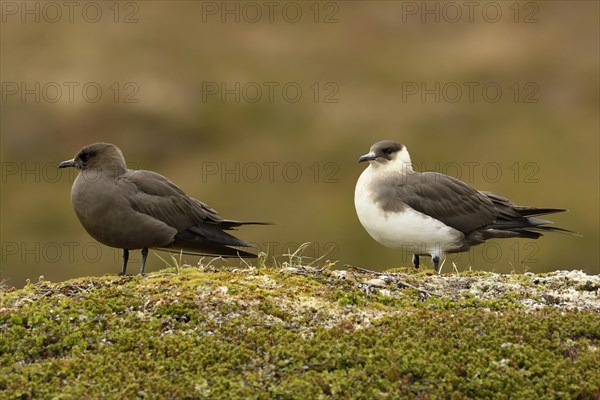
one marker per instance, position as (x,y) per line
(432,214)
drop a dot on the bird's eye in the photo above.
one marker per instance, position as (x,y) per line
(85,156)
(388,150)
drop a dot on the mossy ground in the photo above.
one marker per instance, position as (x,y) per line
(302,333)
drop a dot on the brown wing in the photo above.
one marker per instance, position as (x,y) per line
(153,194)
(440,196)
(199,227)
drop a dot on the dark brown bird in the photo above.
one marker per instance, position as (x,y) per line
(137,209)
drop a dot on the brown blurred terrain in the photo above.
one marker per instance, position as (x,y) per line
(262,109)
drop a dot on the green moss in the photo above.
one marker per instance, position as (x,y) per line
(294,333)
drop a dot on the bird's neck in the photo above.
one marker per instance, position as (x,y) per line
(393,167)
(107,171)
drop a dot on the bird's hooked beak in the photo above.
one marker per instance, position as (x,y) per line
(67,164)
(367,157)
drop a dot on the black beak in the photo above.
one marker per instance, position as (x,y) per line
(367,157)
(67,164)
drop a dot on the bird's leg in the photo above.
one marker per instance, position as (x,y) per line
(144,256)
(415,261)
(436,262)
(125,259)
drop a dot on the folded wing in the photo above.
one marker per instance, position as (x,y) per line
(442,197)
(200,230)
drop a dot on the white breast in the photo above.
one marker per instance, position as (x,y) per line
(408,230)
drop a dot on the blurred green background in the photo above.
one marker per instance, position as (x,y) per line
(262,109)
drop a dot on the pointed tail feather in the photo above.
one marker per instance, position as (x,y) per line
(556,229)
(518,221)
(533,211)
(232,224)
(209,234)
(208,239)
(208,250)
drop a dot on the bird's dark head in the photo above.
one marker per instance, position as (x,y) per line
(98,156)
(389,153)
